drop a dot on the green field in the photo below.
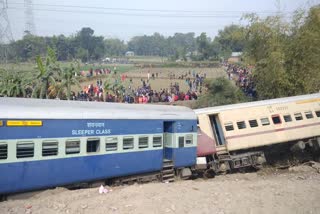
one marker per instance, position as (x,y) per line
(28,66)
(147,59)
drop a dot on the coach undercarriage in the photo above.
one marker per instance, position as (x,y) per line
(288,153)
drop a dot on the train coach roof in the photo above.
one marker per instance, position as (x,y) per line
(55,109)
(216,109)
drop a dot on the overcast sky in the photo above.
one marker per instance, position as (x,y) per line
(127,18)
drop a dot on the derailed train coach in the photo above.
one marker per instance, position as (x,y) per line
(48,143)
(249,134)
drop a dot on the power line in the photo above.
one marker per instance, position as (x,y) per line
(134,14)
(151,10)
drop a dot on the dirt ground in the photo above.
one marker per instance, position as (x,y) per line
(163,81)
(296,190)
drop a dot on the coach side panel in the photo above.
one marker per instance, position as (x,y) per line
(37,154)
(264,125)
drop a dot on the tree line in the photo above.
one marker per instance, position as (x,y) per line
(285,53)
(86,46)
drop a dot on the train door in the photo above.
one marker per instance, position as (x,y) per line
(168,140)
(217,130)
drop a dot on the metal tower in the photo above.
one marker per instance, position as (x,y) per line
(5,31)
(29,25)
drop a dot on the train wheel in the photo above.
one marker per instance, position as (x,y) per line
(185,173)
(209,174)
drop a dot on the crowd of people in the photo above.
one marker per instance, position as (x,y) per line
(143,93)
(243,78)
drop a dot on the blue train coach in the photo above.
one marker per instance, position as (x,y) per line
(48,143)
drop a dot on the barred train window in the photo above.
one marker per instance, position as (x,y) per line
(276,119)
(308,114)
(287,118)
(93,145)
(181,142)
(157,141)
(49,148)
(3,151)
(189,139)
(228,126)
(253,123)
(241,125)
(143,142)
(128,143)
(111,144)
(318,113)
(72,147)
(298,116)
(265,121)
(25,149)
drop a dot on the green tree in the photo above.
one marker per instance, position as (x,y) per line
(230,39)
(27,48)
(115,47)
(87,46)
(47,74)
(286,55)
(220,91)
(68,78)
(303,53)
(266,43)
(203,43)
(15,83)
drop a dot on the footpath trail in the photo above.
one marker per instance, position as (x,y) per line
(296,190)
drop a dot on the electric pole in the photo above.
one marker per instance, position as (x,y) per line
(5,31)
(29,24)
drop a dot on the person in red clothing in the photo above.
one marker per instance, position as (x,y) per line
(176,97)
(186,97)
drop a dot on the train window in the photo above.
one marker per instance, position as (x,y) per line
(308,114)
(111,144)
(318,113)
(143,142)
(276,119)
(228,126)
(181,142)
(265,121)
(93,145)
(157,141)
(128,143)
(241,125)
(287,118)
(25,149)
(253,123)
(189,139)
(3,151)
(72,147)
(49,148)
(298,116)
